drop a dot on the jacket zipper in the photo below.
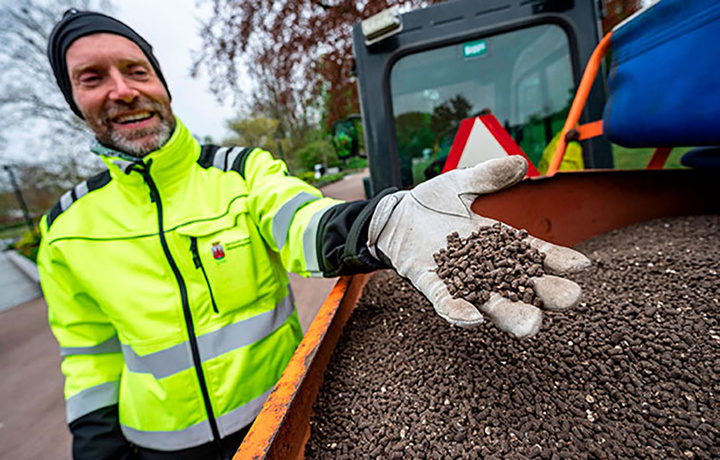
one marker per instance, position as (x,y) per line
(144,170)
(198,264)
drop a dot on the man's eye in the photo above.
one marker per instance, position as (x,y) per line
(89,79)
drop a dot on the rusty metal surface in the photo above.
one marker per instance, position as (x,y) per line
(573,206)
(282,428)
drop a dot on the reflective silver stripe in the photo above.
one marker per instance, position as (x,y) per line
(199,433)
(160,364)
(284,216)
(192,436)
(219,160)
(312,261)
(90,399)
(242,416)
(232,156)
(66,200)
(80,190)
(111,345)
(237,335)
(211,345)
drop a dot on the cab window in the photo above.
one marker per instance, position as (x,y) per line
(523,77)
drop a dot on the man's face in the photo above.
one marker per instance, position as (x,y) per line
(119,94)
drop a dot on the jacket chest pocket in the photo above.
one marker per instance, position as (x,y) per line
(231,258)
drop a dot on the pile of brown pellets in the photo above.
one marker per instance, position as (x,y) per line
(632,372)
(493,259)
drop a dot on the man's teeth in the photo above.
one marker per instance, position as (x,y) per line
(134,117)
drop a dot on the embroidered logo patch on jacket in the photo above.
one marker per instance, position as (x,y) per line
(218,251)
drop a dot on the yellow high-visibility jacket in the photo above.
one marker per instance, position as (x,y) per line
(167,289)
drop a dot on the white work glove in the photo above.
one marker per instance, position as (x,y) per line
(408,227)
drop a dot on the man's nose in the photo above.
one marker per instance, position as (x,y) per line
(121,89)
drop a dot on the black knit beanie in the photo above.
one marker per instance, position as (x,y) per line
(76,24)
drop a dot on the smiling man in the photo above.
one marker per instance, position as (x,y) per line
(166,275)
(136,118)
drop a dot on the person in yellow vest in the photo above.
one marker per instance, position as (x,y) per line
(572,160)
(166,275)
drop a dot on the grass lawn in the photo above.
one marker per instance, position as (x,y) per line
(625,158)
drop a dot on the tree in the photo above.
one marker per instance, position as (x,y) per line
(253,131)
(33,106)
(295,123)
(450,113)
(29,97)
(41,183)
(304,47)
(617,11)
(319,151)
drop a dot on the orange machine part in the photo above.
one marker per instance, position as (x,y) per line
(590,130)
(579,102)
(283,426)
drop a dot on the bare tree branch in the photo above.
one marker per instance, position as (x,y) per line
(29,97)
(302,47)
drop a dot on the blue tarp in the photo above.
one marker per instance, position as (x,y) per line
(664,82)
(702,158)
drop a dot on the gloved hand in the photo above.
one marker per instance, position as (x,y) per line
(408,227)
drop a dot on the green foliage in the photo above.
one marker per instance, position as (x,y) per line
(28,244)
(300,153)
(253,131)
(12,232)
(329,179)
(626,158)
(309,177)
(317,151)
(355,163)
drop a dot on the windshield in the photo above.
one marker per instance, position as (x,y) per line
(524,78)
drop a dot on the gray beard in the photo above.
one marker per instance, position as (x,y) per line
(138,148)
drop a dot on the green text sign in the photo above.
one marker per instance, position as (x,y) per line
(474,49)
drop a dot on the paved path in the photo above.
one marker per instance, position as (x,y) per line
(32,407)
(15,287)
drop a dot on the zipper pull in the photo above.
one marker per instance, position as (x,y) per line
(154,194)
(144,170)
(194,250)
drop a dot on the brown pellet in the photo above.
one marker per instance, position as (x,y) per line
(503,257)
(609,379)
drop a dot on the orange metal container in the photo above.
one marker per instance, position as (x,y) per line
(565,209)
